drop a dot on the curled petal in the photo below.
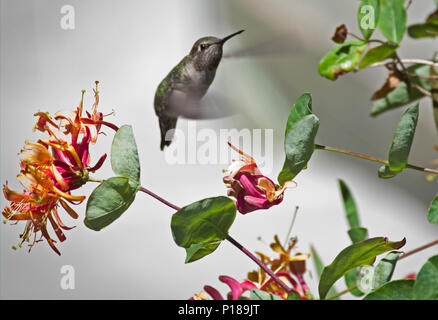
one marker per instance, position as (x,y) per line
(49,240)
(12,195)
(213,293)
(55,227)
(248,183)
(247,285)
(59,222)
(69,210)
(99,163)
(236,289)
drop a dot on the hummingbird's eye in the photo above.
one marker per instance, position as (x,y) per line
(203,46)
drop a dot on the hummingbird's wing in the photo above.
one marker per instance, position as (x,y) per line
(190,106)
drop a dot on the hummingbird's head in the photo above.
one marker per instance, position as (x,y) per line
(207,52)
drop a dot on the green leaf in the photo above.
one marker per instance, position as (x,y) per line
(124,155)
(299,142)
(351,279)
(349,205)
(402,140)
(301,108)
(319,266)
(392,20)
(298,146)
(358,254)
(263,295)
(432,215)
(368,17)
(341,59)
(378,54)
(358,234)
(423,30)
(384,269)
(426,284)
(108,201)
(198,251)
(394,290)
(401,95)
(204,221)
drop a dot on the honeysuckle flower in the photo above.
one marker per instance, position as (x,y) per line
(51,168)
(287,266)
(237,289)
(252,190)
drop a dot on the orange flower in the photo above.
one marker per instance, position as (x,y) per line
(51,169)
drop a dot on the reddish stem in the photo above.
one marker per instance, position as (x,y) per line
(230,239)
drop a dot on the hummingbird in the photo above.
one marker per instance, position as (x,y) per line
(180,92)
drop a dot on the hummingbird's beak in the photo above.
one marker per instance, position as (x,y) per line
(222,41)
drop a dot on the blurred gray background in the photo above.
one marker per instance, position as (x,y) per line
(129,46)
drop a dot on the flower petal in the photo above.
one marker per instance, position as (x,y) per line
(236,289)
(213,293)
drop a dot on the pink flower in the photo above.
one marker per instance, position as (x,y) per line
(252,190)
(237,289)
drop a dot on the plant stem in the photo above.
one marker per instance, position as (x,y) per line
(167,203)
(341,293)
(428,245)
(405,61)
(364,156)
(261,264)
(230,239)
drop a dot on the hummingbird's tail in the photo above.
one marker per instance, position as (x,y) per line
(167,124)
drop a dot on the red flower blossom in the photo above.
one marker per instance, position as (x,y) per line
(252,190)
(51,169)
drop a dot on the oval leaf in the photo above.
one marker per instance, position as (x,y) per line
(108,202)
(298,146)
(423,30)
(204,221)
(341,59)
(124,154)
(426,284)
(356,255)
(394,290)
(392,20)
(378,54)
(368,17)
(402,140)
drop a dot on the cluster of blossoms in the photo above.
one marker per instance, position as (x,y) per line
(289,268)
(252,190)
(51,168)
